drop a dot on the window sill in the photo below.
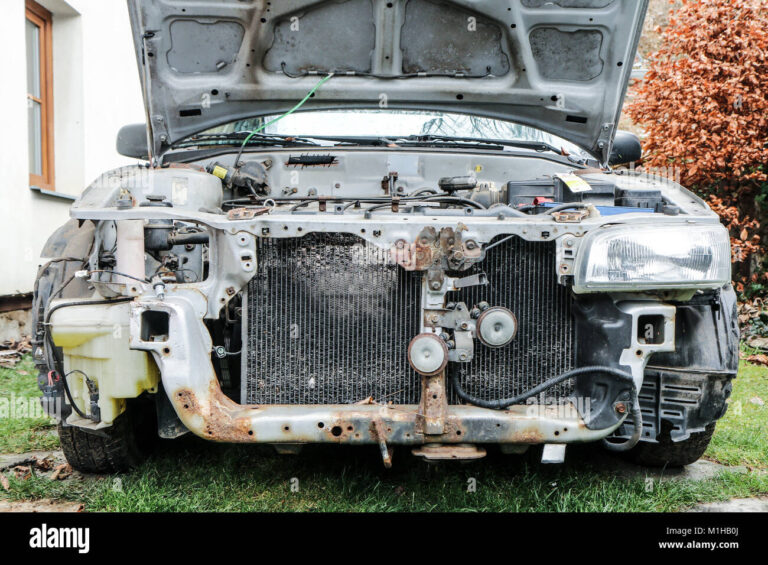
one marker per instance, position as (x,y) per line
(53,194)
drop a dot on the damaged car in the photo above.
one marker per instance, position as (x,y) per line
(387,224)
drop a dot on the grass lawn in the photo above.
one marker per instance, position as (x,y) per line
(18,393)
(192,475)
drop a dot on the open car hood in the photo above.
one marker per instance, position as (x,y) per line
(558,65)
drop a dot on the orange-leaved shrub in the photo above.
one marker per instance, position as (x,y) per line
(703,106)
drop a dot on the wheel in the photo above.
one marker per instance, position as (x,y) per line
(123,446)
(672,453)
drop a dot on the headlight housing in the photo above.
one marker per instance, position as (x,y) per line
(623,258)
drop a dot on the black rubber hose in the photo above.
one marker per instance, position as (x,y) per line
(507,402)
(194,238)
(567,206)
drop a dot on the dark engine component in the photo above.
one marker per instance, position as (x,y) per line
(250,176)
(328,319)
(601,193)
(452,184)
(161,236)
(642,198)
(311,160)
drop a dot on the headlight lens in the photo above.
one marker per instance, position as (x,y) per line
(625,258)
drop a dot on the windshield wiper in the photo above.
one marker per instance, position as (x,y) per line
(447,139)
(236,139)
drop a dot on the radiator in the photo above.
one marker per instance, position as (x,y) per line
(328,319)
(521,277)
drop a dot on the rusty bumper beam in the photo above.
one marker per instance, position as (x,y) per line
(191,384)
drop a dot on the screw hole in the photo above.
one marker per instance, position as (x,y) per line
(336,431)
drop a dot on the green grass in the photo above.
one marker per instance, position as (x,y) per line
(193,475)
(741,436)
(18,392)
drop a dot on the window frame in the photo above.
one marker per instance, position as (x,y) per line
(43,19)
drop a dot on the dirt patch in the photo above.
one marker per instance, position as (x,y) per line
(734,505)
(43,505)
(43,460)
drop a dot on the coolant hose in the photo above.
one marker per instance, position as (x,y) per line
(507,402)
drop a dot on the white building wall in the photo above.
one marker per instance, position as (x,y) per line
(96,91)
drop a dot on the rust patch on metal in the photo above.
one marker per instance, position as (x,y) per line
(442,250)
(527,436)
(246,213)
(434,403)
(222,418)
(448,452)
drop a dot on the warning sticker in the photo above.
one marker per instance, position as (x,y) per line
(573,182)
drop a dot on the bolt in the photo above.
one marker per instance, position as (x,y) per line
(463,356)
(231,290)
(434,318)
(471,245)
(400,243)
(464,325)
(569,243)
(435,285)
(620,407)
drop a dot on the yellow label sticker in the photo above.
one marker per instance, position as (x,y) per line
(575,183)
(220,172)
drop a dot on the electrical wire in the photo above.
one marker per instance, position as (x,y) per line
(69,393)
(111,272)
(288,113)
(566,206)
(54,362)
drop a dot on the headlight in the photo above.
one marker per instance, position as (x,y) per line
(629,258)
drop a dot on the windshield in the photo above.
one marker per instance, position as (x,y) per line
(393,124)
